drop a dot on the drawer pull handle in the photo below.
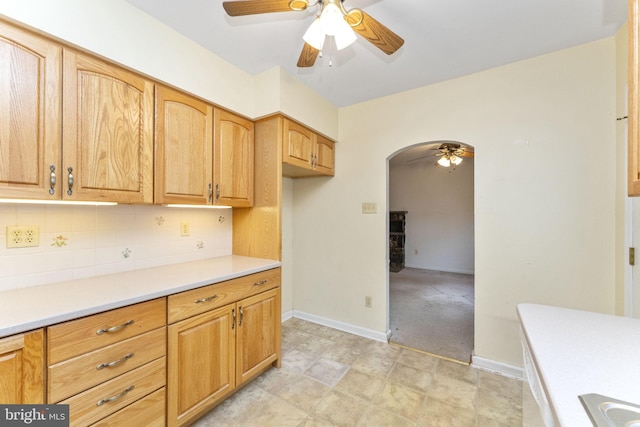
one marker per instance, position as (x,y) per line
(114,328)
(241,316)
(233,318)
(116,397)
(207,299)
(115,362)
(261,282)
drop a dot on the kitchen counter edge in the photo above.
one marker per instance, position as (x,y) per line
(25,309)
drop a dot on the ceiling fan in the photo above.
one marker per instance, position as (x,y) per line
(449,153)
(333,20)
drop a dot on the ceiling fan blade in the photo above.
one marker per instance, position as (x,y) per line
(372,30)
(307,56)
(253,7)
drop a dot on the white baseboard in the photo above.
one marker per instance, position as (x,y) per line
(341,326)
(288,315)
(497,367)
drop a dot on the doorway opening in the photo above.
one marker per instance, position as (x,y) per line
(431,251)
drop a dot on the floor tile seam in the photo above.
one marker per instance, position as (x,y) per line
(373,406)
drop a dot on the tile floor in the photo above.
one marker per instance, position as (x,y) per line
(332,378)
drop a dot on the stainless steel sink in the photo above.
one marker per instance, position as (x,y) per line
(605,411)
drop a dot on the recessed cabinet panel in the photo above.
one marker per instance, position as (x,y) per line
(233,167)
(22,368)
(29,114)
(107,132)
(184,147)
(324,159)
(297,145)
(258,334)
(201,364)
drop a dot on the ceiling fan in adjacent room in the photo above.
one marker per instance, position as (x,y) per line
(332,20)
(449,153)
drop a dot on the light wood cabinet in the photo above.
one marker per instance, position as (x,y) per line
(283,148)
(22,368)
(184,149)
(304,152)
(204,155)
(258,334)
(103,365)
(234,159)
(30,132)
(634,99)
(214,349)
(107,132)
(201,365)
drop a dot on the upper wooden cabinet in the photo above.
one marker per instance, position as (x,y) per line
(22,368)
(233,156)
(184,149)
(204,155)
(634,99)
(29,114)
(104,150)
(305,153)
(107,132)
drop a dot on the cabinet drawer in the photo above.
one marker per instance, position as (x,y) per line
(80,336)
(196,301)
(147,412)
(103,400)
(85,371)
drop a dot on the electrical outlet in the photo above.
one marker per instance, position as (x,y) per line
(23,236)
(184,229)
(367,302)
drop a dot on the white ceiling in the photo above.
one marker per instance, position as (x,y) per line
(443,39)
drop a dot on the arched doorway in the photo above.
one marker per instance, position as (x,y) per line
(431,296)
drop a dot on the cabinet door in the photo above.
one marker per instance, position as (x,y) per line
(298,145)
(201,364)
(107,132)
(634,99)
(258,335)
(324,156)
(29,114)
(184,146)
(22,368)
(233,160)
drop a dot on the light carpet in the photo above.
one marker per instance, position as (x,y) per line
(432,311)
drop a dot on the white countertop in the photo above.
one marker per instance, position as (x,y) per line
(578,352)
(34,307)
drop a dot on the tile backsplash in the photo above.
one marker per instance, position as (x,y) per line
(85,241)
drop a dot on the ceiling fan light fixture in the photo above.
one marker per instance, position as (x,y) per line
(455,160)
(315,35)
(444,161)
(334,24)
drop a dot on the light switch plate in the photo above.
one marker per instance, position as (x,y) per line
(369,207)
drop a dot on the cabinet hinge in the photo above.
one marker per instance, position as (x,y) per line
(632,256)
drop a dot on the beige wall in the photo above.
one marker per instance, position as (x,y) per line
(545,182)
(621,167)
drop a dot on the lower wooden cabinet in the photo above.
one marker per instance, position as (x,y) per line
(213,353)
(105,366)
(22,368)
(258,335)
